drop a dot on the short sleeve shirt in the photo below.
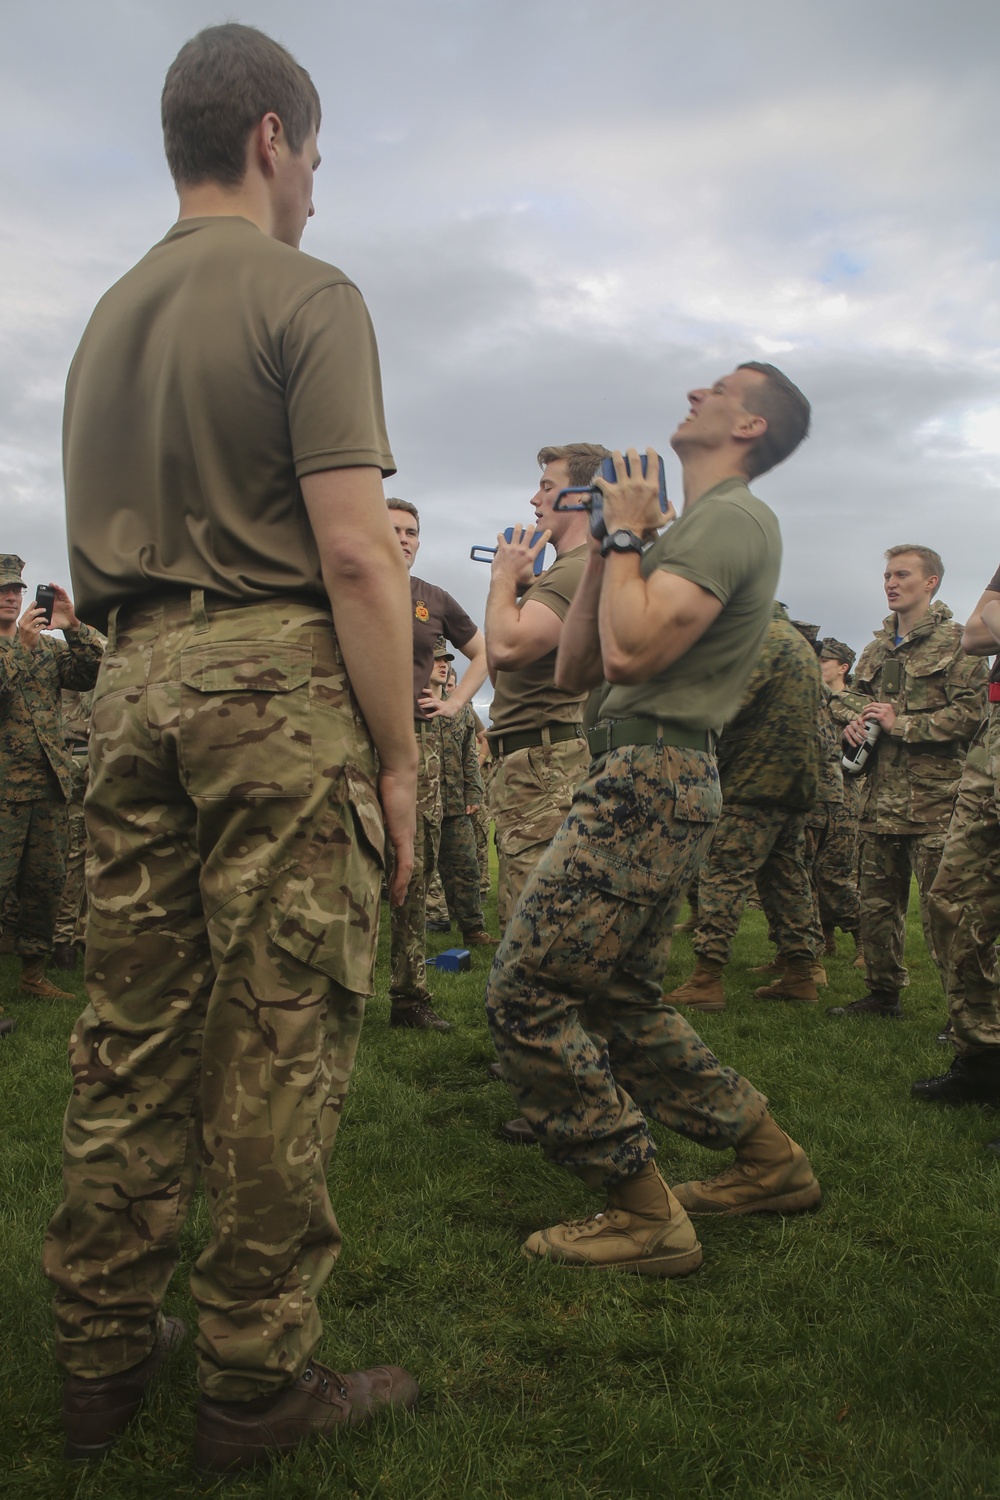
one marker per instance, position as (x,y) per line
(729,543)
(216,374)
(527,697)
(435,613)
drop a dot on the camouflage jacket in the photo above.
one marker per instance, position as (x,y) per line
(32,736)
(461,778)
(769,752)
(940,701)
(831,777)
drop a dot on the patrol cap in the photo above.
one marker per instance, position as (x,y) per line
(809,631)
(441,652)
(11,568)
(835,650)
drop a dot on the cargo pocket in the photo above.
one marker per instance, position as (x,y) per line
(244,728)
(327,913)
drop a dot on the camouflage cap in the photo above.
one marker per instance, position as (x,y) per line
(835,650)
(11,568)
(441,652)
(809,631)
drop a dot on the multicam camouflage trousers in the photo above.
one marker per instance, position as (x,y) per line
(888,863)
(831,860)
(585,1039)
(530,793)
(769,843)
(234,880)
(408,923)
(70,917)
(32,868)
(964,901)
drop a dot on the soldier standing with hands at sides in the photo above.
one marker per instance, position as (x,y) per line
(965,897)
(587,1043)
(224,453)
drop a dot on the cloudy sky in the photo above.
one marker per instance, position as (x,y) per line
(563,214)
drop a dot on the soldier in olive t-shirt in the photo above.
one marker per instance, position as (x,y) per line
(582,1031)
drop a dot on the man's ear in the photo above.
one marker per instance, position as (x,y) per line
(750,427)
(264,143)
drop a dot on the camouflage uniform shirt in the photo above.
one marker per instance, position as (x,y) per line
(32,736)
(939,704)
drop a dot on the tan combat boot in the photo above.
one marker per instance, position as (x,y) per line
(35,983)
(703,991)
(796,982)
(641,1228)
(830,942)
(771,1174)
(859,961)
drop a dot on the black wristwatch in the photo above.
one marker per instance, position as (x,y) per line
(621,540)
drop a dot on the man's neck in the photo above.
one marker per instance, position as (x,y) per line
(704,471)
(437,688)
(574,536)
(8,632)
(211,200)
(911,619)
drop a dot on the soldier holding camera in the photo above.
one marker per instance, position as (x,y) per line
(34,762)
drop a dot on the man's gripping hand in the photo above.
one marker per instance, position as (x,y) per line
(632,503)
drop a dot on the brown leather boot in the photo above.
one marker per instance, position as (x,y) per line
(96,1412)
(479,938)
(830,942)
(234,1435)
(641,1228)
(703,991)
(35,983)
(771,1174)
(797,982)
(859,960)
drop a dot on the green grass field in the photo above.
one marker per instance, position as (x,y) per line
(847,1353)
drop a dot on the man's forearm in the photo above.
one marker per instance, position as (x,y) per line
(501,621)
(578,662)
(991,622)
(978,639)
(472,678)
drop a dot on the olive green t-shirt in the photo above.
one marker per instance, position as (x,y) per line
(728,542)
(527,697)
(218,371)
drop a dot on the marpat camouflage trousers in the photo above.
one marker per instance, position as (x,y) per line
(70,918)
(888,862)
(766,844)
(965,897)
(585,1039)
(458,865)
(832,859)
(530,793)
(33,867)
(234,876)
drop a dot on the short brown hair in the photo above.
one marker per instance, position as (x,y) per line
(930,561)
(582,459)
(218,87)
(786,411)
(408,506)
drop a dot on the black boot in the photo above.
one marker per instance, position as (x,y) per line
(973,1078)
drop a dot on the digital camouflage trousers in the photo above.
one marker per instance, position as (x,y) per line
(32,868)
(766,844)
(586,1041)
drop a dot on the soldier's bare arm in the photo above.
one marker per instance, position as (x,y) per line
(991,619)
(467,686)
(516,637)
(366,579)
(978,639)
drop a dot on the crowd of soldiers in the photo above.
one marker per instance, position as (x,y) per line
(272,742)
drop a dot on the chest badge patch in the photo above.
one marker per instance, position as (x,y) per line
(421,611)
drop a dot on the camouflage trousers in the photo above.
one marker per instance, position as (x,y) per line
(459,869)
(234,881)
(530,793)
(831,860)
(32,868)
(964,900)
(408,923)
(888,863)
(481,830)
(766,844)
(585,1039)
(71,916)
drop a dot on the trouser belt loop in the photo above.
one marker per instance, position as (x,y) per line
(113,629)
(198,615)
